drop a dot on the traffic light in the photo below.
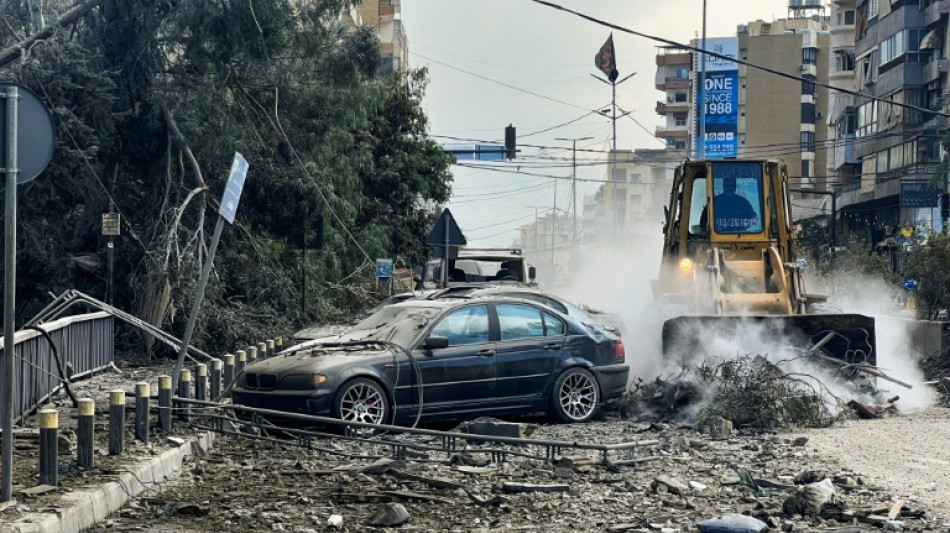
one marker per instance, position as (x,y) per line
(510,144)
(945,206)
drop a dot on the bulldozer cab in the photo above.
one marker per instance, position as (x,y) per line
(738,206)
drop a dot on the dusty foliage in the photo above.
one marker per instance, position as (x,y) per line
(748,390)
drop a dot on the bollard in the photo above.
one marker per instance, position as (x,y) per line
(280,343)
(241,362)
(184,391)
(116,422)
(165,403)
(271,347)
(228,370)
(201,382)
(215,389)
(49,447)
(251,354)
(142,393)
(85,433)
(262,350)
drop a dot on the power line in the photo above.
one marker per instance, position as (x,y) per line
(737,60)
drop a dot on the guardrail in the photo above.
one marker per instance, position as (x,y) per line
(84,344)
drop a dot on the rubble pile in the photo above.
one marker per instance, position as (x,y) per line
(754,393)
(688,480)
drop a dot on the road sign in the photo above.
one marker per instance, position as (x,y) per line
(910,283)
(384,268)
(919,194)
(446,232)
(232,192)
(34,135)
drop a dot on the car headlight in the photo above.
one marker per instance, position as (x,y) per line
(302,381)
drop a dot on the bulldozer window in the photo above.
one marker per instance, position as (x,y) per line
(697,208)
(737,204)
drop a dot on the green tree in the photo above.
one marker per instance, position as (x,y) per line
(928,265)
(150,100)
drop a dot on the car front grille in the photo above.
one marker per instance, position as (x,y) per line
(260,381)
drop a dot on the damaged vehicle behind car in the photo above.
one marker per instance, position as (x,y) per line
(445,359)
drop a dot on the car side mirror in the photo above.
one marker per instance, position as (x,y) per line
(436,342)
(532,272)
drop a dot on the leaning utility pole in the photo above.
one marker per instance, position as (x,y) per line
(573,185)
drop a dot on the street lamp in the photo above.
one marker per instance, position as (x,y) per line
(573,186)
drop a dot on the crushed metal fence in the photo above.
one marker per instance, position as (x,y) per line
(84,344)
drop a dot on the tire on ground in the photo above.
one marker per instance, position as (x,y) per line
(346,402)
(575,397)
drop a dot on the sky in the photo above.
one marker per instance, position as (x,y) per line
(497,62)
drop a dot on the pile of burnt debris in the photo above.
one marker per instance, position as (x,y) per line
(756,393)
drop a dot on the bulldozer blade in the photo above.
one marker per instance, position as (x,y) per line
(700,336)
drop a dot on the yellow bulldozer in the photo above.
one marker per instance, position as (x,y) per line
(730,268)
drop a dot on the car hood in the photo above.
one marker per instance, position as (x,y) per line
(313,360)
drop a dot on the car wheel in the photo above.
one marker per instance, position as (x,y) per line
(575,397)
(361,400)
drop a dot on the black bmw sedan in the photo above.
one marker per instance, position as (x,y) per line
(445,359)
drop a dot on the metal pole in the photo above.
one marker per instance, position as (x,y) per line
(702,91)
(196,305)
(445,264)
(554,224)
(613,109)
(9,294)
(109,288)
(574,196)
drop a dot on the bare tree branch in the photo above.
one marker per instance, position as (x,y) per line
(74,14)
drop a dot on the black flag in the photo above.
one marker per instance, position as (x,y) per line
(606,61)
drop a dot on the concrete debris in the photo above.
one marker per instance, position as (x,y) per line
(733,523)
(389,515)
(335,521)
(667,484)
(719,428)
(519,488)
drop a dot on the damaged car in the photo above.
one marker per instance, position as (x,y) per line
(445,359)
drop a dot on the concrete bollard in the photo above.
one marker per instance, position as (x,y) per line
(49,447)
(251,354)
(215,388)
(271,347)
(143,393)
(165,403)
(279,341)
(201,381)
(116,422)
(86,433)
(241,362)
(228,370)
(184,391)
(262,350)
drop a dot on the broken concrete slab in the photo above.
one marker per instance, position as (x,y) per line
(389,515)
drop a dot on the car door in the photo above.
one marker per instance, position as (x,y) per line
(530,345)
(461,375)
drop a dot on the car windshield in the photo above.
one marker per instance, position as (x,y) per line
(396,324)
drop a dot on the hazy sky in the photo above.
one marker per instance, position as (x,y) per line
(540,50)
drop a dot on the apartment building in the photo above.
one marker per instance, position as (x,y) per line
(842,166)
(384,16)
(674,78)
(900,57)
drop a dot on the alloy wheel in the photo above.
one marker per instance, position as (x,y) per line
(363,402)
(578,395)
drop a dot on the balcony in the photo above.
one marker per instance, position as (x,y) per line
(671,82)
(935,11)
(934,69)
(663,108)
(672,131)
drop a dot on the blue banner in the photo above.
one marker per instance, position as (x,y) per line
(722,114)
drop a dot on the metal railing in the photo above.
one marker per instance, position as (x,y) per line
(84,344)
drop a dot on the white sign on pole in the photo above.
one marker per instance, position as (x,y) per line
(232,192)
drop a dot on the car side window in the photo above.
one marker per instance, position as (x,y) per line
(553,325)
(519,321)
(468,325)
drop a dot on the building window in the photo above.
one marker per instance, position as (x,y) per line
(680,120)
(808,84)
(682,73)
(806,168)
(680,145)
(807,141)
(849,17)
(620,175)
(867,119)
(844,60)
(809,56)
(808,113)
(874,7)
(681,97)
(636,178)
(845,125)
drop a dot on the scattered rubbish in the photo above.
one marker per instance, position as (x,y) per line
(518,488)
(667,484)
(733,523)
(809,499)
(697,486)
(335,521)
(390,515)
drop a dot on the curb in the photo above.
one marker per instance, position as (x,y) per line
(81,509)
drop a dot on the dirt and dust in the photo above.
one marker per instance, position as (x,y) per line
(247,485)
